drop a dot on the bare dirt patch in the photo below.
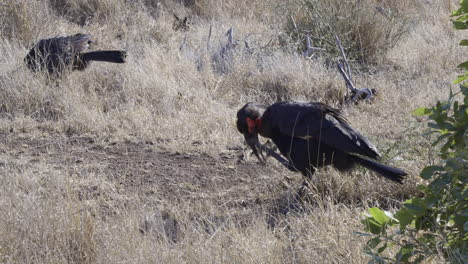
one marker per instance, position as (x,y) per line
(148,170)
(161,178)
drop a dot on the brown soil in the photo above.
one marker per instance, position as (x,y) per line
(147,170)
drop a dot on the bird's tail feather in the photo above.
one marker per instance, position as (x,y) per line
(115,56)
(394,174)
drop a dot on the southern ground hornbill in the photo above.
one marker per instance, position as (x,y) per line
(58,54)
(310,135)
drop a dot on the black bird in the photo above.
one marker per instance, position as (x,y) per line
(310,135)
(61,53)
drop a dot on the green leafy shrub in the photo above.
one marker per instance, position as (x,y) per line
(435,224)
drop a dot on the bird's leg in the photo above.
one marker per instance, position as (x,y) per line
(305,186)
(276,156)
(258,151)
(254,144)
(270,145)
(302,191)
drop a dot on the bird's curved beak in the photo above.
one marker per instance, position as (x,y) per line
(254,144)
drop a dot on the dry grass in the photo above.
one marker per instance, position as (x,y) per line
(366,29)
(141,162)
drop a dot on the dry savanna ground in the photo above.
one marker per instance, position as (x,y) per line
(141,162)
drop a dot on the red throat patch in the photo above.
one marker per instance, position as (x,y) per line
(251,124)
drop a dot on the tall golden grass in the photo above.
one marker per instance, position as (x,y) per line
(63,202)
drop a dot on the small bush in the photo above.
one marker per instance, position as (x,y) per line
(367,30)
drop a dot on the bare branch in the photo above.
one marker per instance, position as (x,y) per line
(209,39)
(362,94)
(353,95)
(294,23)
(347,69)
(230,34)
(247,46)
(349,83)
(184,42)
(224,57)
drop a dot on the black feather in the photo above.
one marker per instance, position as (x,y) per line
(391,173)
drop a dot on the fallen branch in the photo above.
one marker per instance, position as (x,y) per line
(347,68)
(353,95)
(346,77)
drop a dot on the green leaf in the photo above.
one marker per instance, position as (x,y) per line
(462,18)
(464,90)
(405,253)
(441,138)
(460,222)
(374,242)
(455,163)
(431,200)
(421,111)
(373,226)
(460,79)
(405,217)
(423,223)
(439,184)
(464,42)
(382,248)
(460,25)
(422,188)
(427,172)
(416,206)
(444,149)
(379,215)
(464,6)
(463,65)
(434,126)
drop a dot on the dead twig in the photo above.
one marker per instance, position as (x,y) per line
(347,68)
(353,94)
(209,39)
(309,52)
(184,42)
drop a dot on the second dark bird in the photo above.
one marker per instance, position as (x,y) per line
(311,135)
(55,55)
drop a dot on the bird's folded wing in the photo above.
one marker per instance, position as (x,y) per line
(320,122)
